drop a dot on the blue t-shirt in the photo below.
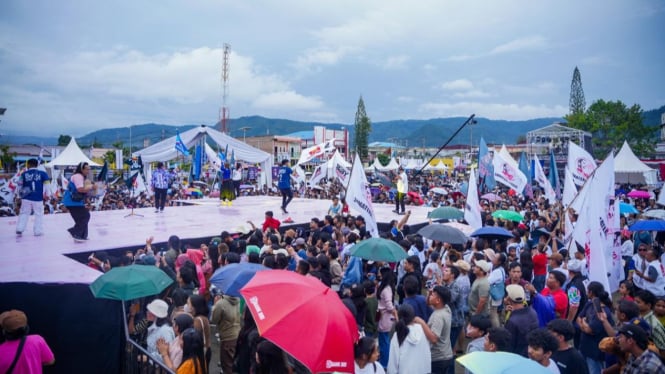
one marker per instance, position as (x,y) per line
(32,184)
(284,176)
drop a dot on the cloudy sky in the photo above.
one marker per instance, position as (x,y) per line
(74,66)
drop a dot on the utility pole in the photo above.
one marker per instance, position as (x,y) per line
(224,115)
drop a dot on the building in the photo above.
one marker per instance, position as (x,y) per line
(281,147)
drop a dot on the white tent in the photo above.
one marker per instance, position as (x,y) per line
(72,155)
(392,165)
(629,169)
(165,150)
(410,164)
(440,166)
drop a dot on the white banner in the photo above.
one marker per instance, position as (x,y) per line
(507,173)
(542,180)
(318,174)
(312,152)
(472,206)
(580,163)
(359,196)
(118,159)
(6,192)
(569,192)
(342,174)
(298,175)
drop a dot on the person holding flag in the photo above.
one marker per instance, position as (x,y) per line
(31,190)
(284,184)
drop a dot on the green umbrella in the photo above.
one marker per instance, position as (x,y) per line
(446,212)
(508,215)
(130,282)
(379,249)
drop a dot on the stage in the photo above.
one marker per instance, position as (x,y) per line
(44,259)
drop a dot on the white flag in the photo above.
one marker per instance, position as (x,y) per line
(580,163)
(542,180)
(342,174)
(314,151)
(298,175)
(507,173)
(6,193)
(359,196)
(472,206)
(569,192)
(318,174)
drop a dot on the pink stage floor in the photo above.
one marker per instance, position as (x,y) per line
(42,259)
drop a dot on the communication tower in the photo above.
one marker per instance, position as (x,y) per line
(224,112)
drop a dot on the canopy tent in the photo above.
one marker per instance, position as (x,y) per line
(439,166)
(392,165)
(72,155)
(376,165)
(629,169)
(165,150)
(410,164)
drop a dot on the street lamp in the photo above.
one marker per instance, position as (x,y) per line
(244,132)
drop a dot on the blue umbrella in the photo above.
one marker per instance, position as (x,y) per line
(231,278)
(648,225)
(492,232)
(627,209)
(500,362)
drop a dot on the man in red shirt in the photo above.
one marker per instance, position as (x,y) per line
(555,280)
(270,222)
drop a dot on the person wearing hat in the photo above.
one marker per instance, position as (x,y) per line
(480,289)
(568,359)
(521,319)
(437,329)
(402,181)
(576,291)
(158,312)
(634,340)
(21,352)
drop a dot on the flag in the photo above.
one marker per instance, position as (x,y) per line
(129,182)
(298,175)
(524,168)
(569,192)
(554,176)
(233,159)
(507,173)
(342,174)
(359,196)
(180,146)
(6,193)
(580,163)
(485,167)
(472,207)
(389,151)
(102,173)
(314,151)
(318,174)
(542,180)
(196,163)
(140,186)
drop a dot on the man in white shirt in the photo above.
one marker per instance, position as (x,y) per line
(236,177)
(402,188)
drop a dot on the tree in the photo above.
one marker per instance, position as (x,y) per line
(612,122)
(6,157)
(96,143)
(64,140)
(362,128)
(577,102)
(109,157)
(384,159)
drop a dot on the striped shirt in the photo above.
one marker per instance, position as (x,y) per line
(160,179)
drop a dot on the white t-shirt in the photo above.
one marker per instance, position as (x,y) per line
(434,270)
(369,368)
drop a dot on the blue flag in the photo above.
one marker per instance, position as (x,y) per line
(196,166)
(180,146)
(102,173)
(485,168)
(554,176)
(524,168)
(233,159)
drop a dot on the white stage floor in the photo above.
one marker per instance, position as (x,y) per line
(42,259)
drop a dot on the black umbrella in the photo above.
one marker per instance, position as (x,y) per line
(443,233)
(492,232)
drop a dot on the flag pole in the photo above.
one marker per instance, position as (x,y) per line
(468,120)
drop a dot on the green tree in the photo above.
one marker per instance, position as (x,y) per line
(362,128)
(63,140)
(577,102)
(109,157)
(6,157)
(384,159)
(612,122)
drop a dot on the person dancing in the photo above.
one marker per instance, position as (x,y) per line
(74,200)
(284,184)
(226,194)
(237,178)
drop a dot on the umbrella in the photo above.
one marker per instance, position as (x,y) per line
(443,233)
(648,225)
(466,229)
(481,362)
(200,183)
(288,306)
(492,232)
(379,249)
(439,190)
(508,215)
(446,212)
(639,194)
(491,197)
(193,191)
(627,209)
(232,277)
(130,282)
(655,213)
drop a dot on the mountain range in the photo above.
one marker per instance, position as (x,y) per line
(410,133)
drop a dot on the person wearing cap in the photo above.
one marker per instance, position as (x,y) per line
(568,359)
(480,289)
(634,340)
(158,312)
(521,319)
(576,292)
(34,353)
(402,182)
(542,344)
(437,330)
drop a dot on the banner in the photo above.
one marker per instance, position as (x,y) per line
(318,174)
(542,181)
(298,175)
(180,146)
(485,167)
(569,192)
(580,163)
(312,152)
(118,159)
(359,196)
(524,168)
(342,174)
(472,207)
(507,174)
(6,193)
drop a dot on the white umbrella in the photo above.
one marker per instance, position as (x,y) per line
(439,190)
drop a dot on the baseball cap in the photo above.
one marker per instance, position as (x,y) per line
(576,265)
(484,265)
(159,308)
(300,241)
(636,333)
(13,320)
(462,265)
(515,293)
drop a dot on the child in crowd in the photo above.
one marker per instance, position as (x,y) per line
(626,290)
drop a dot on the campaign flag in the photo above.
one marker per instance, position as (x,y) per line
(359,196)
(542,180)
(472,207)
(140,187)
(554,176)
(485,167)
(342,174)
(298,175)
(196,164)
(102,173)
(317,150)
(580,163)
(129,182)
(233,159)
(569,192)
(6,193)
(317,175)
(524,168)
(180,146)
(507,173)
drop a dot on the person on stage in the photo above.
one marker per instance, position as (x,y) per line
(402,188)
(160,185)
(74,200)
(31,188)
(237,178)
(284,184)
(226,194)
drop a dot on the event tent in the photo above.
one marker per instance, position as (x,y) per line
(439,166)
(72,155)
(165,150)
(629,169)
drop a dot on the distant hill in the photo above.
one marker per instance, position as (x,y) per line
(430,133)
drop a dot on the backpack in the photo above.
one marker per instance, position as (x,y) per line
(544,307)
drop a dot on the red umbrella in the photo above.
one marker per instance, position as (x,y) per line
(639,194)
(304,318)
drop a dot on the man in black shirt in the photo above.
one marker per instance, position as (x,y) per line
(568,359)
